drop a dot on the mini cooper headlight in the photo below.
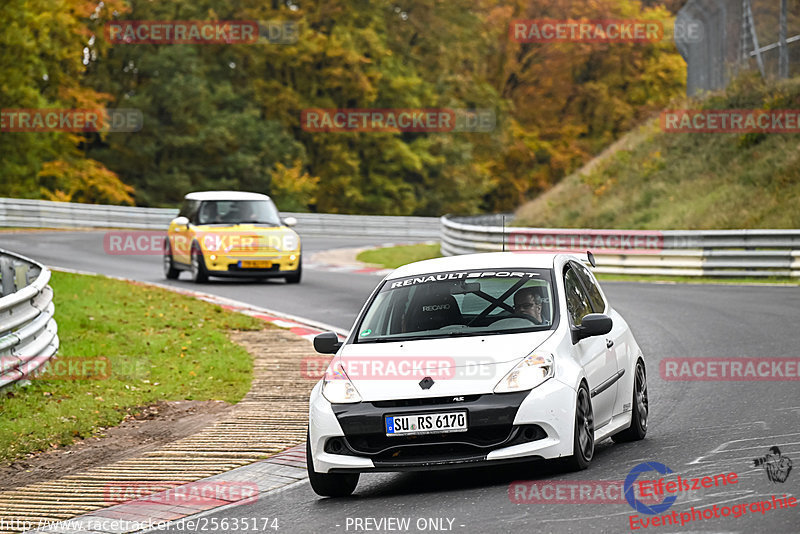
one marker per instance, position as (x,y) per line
(535,369)
(337,387)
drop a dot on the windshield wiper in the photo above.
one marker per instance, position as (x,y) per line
(415,338)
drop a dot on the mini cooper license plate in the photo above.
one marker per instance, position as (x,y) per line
(429,423)
(255,264)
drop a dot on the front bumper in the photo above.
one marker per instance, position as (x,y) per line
(502,428)
(283,263)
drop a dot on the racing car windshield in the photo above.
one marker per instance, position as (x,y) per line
(238,212)
(460,303)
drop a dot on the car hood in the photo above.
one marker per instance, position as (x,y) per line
(457,365)
(243,238)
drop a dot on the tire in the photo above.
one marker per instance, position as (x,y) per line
(583,438)
(169,267)
(199,272)
(640,409)
(329,484)
(294,278)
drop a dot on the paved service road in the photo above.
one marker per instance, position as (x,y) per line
(696,428)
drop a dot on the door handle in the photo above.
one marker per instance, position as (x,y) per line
(609,343)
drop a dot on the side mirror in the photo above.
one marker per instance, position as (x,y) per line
(327,343)
(181,221)
(290,221)
(594,324)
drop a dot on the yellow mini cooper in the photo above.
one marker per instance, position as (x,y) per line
(232,234)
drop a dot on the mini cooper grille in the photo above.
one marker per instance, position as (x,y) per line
(235,267)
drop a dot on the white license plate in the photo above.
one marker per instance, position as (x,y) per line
(429,423)
(255,264)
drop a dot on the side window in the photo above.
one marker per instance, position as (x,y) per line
(578,305)
(189,210)
(598,304)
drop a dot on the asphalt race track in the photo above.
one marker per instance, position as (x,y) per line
(701,428)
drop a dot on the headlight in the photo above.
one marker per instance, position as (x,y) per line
(535,369)
(336,386)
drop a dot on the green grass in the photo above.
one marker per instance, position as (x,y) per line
(656,180)
(394,257)
(160,346)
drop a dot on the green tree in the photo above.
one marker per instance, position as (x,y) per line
(42,65)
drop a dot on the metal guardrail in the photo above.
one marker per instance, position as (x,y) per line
(674,252)
(28,331)
(47,214)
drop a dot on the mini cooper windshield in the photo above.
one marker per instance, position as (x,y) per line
(460,303)
(238,212)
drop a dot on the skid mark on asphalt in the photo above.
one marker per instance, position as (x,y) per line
(759,445)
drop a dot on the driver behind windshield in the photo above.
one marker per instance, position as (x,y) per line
(528,302)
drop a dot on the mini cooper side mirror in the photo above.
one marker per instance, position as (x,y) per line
(290,221)
(594,324)
(327,343)
(181,221)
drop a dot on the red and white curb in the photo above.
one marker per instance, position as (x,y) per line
(356,269)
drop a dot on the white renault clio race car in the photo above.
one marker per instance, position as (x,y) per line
(475,360)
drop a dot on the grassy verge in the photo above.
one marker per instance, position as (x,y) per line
(657,180)
(394,257)
(159,346)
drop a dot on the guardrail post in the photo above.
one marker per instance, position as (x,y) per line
(6,276)
(21,275)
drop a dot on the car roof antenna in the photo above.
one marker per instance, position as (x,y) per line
(503,218)
(591,258)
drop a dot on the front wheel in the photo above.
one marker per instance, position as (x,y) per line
(169,267)
(641,409)
(329,484)
(294,278)
(199,272)
(583,437)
